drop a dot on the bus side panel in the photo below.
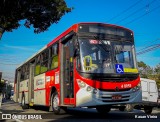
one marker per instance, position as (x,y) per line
(51,81)
(39,90)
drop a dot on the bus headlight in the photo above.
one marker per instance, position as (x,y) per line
(89,88)
(136,88)
(81,84)
(86,87)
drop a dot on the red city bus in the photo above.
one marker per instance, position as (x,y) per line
(89,65)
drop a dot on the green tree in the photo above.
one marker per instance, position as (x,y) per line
(157,69)
(37,13)
(141,67)
(144,69)
(142,64)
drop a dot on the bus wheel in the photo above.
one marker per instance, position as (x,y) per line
(148,109)
(55,103)
(24,105)
(103,109)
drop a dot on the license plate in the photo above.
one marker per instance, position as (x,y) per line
(116,97)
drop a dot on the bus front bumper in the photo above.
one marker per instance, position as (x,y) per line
(87,98)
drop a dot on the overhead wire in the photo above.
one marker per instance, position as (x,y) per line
(8,64)
(150,42)
(133,13)
(143,15)
(153,47)
(124,11)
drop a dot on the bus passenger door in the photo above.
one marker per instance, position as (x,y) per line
(31,85)
(67,84)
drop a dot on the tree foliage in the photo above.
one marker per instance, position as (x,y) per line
(150,73)
(37,13)
(157,69)
(144,69)
(142,64)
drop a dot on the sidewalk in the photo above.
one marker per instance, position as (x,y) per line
(10,107)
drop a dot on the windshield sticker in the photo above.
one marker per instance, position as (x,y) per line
(99,42)
(48,78)
(119,68)
(130,70)
(93,42)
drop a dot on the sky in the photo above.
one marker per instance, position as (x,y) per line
(141,16)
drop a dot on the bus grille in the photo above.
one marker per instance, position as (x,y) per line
(105,96)
(113,90)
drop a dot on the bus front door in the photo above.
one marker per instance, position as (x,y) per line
(67,84)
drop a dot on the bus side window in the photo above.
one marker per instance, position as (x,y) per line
(37,67)
(54,56)
(44,63)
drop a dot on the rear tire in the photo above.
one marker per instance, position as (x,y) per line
(148,109)
(55,103)
(103,109)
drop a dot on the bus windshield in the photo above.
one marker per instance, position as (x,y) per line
(100,56)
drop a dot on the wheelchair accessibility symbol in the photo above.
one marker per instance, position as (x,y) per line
(119,68)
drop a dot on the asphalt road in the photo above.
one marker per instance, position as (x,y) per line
(73,114)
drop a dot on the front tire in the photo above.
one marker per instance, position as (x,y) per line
(55,103)
(103,109)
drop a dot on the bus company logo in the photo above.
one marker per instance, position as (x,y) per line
(6,116)
(39,82)
(13,116)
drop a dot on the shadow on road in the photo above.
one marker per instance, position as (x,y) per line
(11,111)
(91,115)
